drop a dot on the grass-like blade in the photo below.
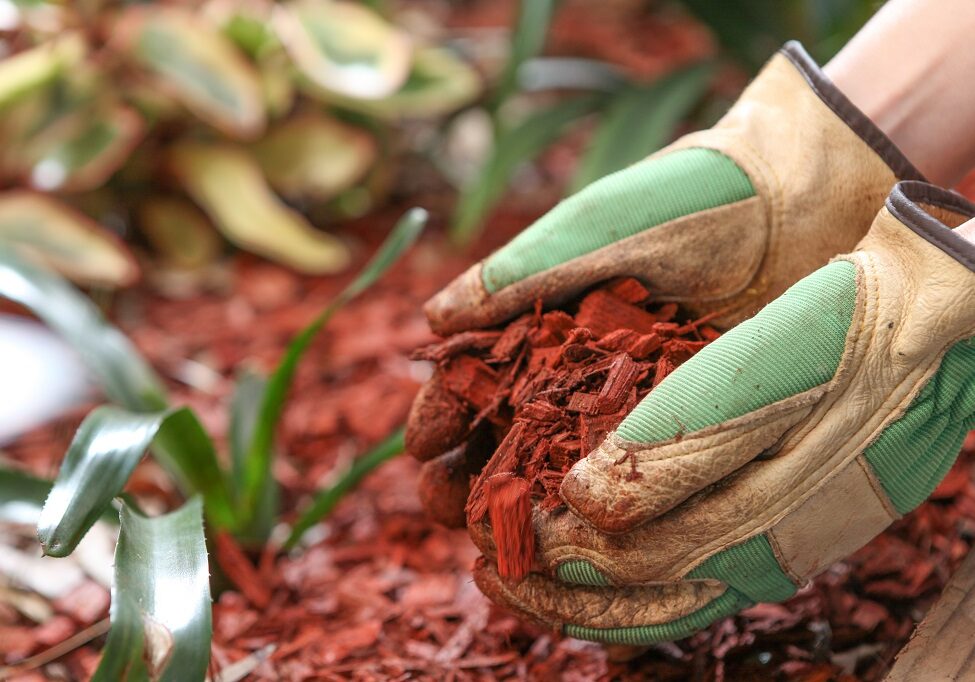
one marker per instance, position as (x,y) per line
(124,375)
(244,412)
(640,120)
(512,148)
(105,450)
(527,40)
(21,496)
(257,467)
(325,500)
(161,620)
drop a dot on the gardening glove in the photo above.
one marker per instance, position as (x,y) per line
(778,449)
(722,220)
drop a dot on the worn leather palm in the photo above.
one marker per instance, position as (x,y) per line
(722,220)
(780,448)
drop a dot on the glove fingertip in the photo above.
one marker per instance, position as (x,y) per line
(456,307)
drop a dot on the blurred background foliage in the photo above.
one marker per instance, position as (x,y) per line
(161,121)
(271,122)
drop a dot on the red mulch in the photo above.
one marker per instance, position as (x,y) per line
(384,593)
(551,385)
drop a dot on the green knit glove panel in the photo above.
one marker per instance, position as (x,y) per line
(914,453)
(794,344)
(750,570)
(618,206)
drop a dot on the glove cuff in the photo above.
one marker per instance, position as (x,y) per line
(841,105)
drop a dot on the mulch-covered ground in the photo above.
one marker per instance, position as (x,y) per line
(381,592)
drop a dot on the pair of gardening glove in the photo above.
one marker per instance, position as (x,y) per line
(798,435)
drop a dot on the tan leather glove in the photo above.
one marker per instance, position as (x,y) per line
(778,449)
(723,219)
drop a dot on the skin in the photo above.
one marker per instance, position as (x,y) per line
(909,69)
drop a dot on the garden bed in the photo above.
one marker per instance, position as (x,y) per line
(382,592)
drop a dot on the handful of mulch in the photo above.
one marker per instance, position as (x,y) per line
(546,390)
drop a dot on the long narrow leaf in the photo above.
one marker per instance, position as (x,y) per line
(245,409)
(325,501)
(511,149)
(104,452)
(124,375)
(640,120)
(21,496)
(161,615)
(257,470)
(527,40)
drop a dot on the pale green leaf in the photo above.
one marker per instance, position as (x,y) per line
(196,64)
(439,83)
(161,612)
(81,150)
(46,231)
(315,156)
(228,184)
(344,47)
(178,230)
(30,70)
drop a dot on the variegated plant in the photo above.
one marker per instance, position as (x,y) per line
(165,120)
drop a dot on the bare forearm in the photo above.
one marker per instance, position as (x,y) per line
(910,70)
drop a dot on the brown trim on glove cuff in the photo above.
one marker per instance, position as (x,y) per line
(858,122)
(903,203)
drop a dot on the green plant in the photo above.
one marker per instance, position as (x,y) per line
(162,121)
(155,634)
(634,118)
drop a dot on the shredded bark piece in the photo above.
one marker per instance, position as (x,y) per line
(554,385)
(509,502)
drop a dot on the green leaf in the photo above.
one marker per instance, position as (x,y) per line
(315,156)
(45,231)
(751,30)
(228,184)
(527,41)
(257,467)
(512,148)
(640,120)
(124,375)
(21,496)
(325,500)
(161,613)
(245,409)
(195,64)
(104,452)
(79,151)
(178,230)
(439,83)
(344,47)
(30,70)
